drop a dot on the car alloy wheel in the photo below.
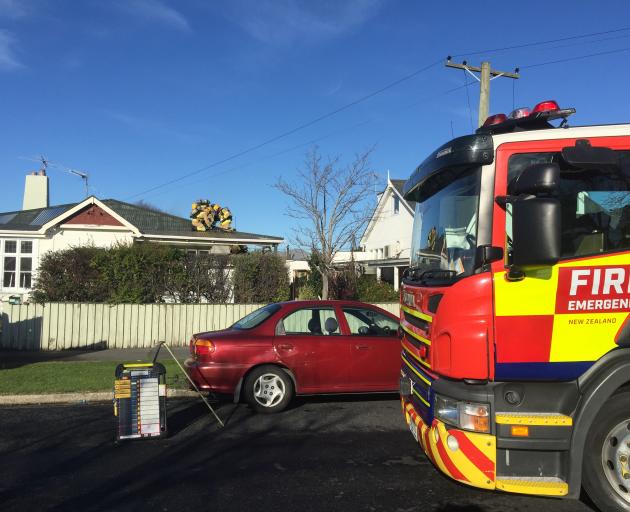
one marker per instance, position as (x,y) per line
(269,390)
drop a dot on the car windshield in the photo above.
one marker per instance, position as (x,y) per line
(255,318)
(445,224)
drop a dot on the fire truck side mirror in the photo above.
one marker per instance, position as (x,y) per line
(535,231)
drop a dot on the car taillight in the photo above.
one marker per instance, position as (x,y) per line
(203,348)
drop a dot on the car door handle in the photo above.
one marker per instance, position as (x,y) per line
(286,346)
(362,347)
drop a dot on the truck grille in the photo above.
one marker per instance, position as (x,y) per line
(421,396)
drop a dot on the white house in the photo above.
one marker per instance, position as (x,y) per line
(385,246)
(26,235)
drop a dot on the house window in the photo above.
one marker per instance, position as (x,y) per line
(396,205)
(16,260)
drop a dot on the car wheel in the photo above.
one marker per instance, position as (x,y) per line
(268,389)
(607,456)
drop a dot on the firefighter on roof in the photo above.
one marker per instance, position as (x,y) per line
(205,215)
(225,219)
(202,215)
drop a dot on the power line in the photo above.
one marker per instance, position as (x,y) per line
(539,43)
(318,139)
(296,129)
(371,95)
(569,59)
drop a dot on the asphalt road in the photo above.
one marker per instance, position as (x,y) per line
(349,454)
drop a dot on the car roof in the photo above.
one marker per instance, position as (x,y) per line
(331,302)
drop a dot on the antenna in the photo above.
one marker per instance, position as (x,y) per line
(83,175)
(44,162)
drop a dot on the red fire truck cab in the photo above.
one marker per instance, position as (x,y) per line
(514,313)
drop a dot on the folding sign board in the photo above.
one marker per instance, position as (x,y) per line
(140,400)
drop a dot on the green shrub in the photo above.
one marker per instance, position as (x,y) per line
(259,277)
(137,273)
(371,290)
(70,276)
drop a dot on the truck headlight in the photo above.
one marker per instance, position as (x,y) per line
(464,415)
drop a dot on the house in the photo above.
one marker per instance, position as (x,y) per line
(26,235)
(385,246)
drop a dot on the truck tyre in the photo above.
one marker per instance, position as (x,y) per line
(606,467)
(268,389)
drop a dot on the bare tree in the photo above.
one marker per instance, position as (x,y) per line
(332,200)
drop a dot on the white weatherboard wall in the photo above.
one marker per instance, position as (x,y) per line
(388,229)
(61,326)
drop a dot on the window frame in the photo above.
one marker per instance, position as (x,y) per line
(281,331)
(564,257)
(393,334)
(19,256)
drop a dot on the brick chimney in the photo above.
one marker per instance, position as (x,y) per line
(35,191)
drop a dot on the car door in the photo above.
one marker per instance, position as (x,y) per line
(317,356)
(375,348)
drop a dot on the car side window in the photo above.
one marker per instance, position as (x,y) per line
(367,322)
(310,322)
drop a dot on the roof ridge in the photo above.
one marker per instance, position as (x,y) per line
(159,212)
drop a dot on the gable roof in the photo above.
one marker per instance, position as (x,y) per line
(398,185)
(145,221)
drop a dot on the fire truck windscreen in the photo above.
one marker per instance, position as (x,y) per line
(445,223)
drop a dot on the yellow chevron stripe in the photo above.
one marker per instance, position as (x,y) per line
(475,476)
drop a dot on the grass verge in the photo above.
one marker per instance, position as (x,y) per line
(72,377)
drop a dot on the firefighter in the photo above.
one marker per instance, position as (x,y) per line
(225,219)
(202,215)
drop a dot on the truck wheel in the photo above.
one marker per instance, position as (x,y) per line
(268,389)
(607,456)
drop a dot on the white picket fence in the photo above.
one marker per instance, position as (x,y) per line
(60,326)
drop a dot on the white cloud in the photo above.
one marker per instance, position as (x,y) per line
(158,12)
(281,22)
(8,59)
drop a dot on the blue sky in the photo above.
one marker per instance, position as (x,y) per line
(139,92)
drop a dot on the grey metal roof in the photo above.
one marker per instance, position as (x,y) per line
(31,220)
(148,222)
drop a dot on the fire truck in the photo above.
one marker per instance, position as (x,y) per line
(515,325)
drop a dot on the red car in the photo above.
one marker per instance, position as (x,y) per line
(299,347)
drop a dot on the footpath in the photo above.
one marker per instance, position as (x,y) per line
(13,358)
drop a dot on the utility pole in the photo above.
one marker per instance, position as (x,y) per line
(487,74)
